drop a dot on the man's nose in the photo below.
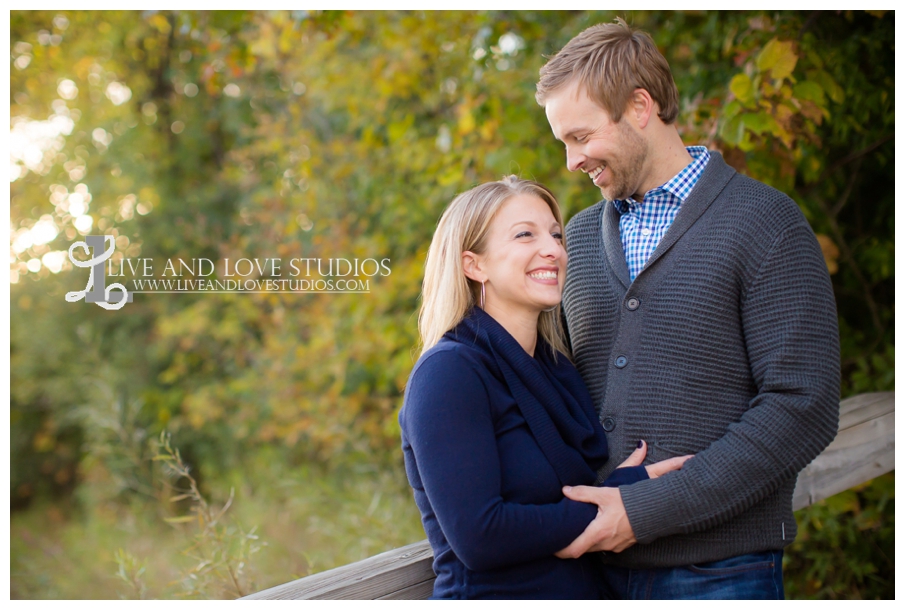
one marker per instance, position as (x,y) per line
(574,159)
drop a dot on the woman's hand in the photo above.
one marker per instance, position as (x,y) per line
(657,469)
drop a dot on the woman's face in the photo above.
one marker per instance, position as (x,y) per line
(525,262)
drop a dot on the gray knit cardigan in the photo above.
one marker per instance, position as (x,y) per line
(726,346)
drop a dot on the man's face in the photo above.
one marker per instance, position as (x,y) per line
(614,155)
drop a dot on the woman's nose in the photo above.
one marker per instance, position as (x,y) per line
(552,248)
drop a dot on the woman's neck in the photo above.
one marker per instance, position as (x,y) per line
(521,325)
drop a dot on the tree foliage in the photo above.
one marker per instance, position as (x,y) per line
(344,134)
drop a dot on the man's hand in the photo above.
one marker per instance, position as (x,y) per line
(611,530)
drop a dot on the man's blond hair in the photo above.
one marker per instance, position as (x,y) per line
(610,61)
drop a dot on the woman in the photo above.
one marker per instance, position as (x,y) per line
(496,419)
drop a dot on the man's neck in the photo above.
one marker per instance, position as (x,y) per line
(667,158)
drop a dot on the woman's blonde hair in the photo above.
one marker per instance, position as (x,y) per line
(447,294)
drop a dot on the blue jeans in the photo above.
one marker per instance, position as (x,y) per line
(752,576)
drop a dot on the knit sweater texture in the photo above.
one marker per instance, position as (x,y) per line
(726,346)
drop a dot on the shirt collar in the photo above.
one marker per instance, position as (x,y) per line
(679,185)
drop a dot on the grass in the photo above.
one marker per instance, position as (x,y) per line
(312,518)
(307,520)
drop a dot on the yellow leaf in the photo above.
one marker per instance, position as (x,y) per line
(160,23)
(487,130)
(466,123)
(830,253)
(741,87)
(778,57)
(184,519)
(43,442)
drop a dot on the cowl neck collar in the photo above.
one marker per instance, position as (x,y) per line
(550,394)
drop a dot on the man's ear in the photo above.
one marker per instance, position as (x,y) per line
(471,263)
(642,106)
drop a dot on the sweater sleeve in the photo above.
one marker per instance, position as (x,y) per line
(446,419)
(626,476)
(790,328)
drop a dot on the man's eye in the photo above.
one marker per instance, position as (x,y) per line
(581,139)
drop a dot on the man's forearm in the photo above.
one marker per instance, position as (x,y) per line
(750,462)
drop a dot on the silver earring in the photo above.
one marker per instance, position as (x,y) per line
(483,295)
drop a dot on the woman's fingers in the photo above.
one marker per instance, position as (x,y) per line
(637,456)
(660,468)
(654,470)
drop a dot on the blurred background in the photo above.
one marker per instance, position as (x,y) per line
(213,445)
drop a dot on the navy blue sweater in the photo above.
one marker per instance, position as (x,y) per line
(490,435)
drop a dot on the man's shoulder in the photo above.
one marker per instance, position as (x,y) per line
(742,188)
(749,198)
(587,218)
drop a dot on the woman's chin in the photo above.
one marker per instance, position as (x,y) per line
(547,306)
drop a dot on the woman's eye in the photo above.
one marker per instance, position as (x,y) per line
(523,234)
(556,235)
(581,139)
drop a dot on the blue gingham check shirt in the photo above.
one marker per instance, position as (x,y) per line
(643,225)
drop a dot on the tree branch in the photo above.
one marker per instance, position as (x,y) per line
(846,251)
(848,190)
(847,159)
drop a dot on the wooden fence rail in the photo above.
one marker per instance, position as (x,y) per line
(863,449)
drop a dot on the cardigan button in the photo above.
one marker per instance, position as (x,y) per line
(609,424)
(633,303)
(621,361)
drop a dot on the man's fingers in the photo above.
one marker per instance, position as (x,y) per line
(590,537)
(581,493)
(636,458)
(578,547)
(660,468)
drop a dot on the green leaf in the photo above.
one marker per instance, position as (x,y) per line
(809,90)
(731,109)
(760,122)
(732,130)
(828,84)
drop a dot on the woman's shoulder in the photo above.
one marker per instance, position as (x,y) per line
(449,383)
(448,357)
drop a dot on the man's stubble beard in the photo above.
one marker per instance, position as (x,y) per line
(628,169)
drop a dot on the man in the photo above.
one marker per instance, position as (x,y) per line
(702,318)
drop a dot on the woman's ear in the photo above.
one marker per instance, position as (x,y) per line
(471,263)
